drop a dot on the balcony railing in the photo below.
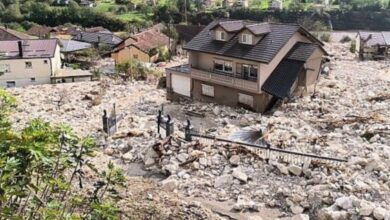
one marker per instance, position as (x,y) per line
(225,80)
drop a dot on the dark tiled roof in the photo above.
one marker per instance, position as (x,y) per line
(301,51)
(9,34)
(31,49)
(72,45)
(280,81)
(230,26)
(264,51)
(106,38)
(258,29)
(187,32)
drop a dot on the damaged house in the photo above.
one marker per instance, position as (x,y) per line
(373,45)
(248,64)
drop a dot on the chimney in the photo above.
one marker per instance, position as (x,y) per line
(20,46)
(98,39)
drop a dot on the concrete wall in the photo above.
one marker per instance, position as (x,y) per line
(228,96)
(22,75)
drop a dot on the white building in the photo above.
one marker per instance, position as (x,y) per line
(28,62)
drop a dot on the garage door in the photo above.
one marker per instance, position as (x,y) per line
(181,85)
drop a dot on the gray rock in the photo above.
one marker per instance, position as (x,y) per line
(294,169)
(379,213)
(169,184)
(203,161)
(223,181)
(345,202)
(234,160)
(296,209)
(300,217)
(238,174)
(182,157)
(366,208)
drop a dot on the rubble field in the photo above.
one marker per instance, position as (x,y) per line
(347,117)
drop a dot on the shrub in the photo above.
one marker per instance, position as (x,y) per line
(325,37)
(353,46)
(345,39)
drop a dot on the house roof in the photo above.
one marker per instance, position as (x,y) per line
(280,81)
(187,32)
(97,37)
(72,46)
(37,48)
(149,39)
(229,26)
(258,29)
(375,38)
(301,51)
(9,34)
(264,51)
(40,31)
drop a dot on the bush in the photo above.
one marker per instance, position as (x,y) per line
(345,39)
(353,46)
(325,37)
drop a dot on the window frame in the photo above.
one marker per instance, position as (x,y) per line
(250,68)
(28,66)
(32,79)
(248,39)
(224,63)
(207,90)
(219,35)
(10,82)
(45,62)
(6,67)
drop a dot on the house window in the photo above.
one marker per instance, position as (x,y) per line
(135,56)
(28,65)
(44,61)
(207,90)
(246,38)
(223,66)
(249,71)
(220,35)
(32,79)
(4,68)
(11,84)
(245,99)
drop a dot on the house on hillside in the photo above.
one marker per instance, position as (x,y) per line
(74,51)
(60,32)
(235,3)
(9,34)
(185,35)
(28,62)
(373,45)
(234,62)
(34,61)
(144,46)
(275,5)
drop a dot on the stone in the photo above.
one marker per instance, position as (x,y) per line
(345,202)
(172,168)
(296,209)
(182,157)
(234,160)
(109,151)
(300,217)
(223,181)
(169,184)
(238,174)
(366,208)
(294,169)
(216,110)
(127,157)
(203,161)
(282,168)
(243,203)
(379,213)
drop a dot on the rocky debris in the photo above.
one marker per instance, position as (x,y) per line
(238,174)
(347,117)
(244,203)
(300,217)
(381,213)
